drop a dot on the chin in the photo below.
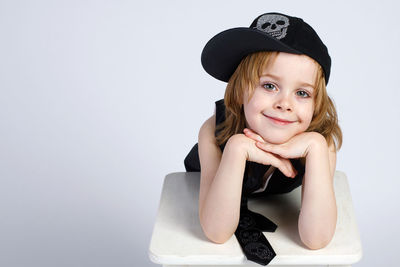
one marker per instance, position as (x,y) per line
(277,140)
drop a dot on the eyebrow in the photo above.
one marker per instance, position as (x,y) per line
(277,78)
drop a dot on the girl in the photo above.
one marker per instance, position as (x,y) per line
(275,129)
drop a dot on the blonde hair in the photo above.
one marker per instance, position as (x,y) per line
(247,76)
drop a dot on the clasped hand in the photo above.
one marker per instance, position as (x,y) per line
(278,155)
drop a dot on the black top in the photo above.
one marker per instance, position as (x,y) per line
(254,172)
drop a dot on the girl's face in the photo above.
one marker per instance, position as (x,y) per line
(282,104)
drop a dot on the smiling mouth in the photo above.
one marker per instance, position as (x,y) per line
(278,120)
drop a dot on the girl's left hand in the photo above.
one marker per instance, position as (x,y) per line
(296,147)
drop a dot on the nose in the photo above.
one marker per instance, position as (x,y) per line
(283,103)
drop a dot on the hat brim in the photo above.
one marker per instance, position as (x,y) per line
(223,53)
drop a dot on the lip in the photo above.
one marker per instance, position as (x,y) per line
(279,120)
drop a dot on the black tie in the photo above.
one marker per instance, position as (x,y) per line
(251,225)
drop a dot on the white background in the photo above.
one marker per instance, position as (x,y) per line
(101,99)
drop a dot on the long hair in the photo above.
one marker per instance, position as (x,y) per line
(247,76)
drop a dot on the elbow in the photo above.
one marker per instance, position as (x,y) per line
(214,233)
(218,239)
(317,234)
(316,242)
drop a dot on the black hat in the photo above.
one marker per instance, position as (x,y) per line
(268,32)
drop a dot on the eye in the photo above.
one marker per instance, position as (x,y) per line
(269,86)
(302,93)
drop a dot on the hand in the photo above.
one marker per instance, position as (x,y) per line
(255,154)
(296,147)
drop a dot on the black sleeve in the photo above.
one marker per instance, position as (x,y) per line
(192,161)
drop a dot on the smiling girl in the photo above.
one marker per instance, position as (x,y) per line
(275,129)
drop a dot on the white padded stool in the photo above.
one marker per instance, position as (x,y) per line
(178,239)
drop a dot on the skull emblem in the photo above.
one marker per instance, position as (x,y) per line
(250,235)
(246,221)
(260,250)
(274,25)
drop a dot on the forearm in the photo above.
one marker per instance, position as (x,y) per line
(318,215)
(221,208)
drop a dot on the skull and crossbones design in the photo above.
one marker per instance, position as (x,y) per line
(250,235)
(273,24)
(260,250)
(246,221)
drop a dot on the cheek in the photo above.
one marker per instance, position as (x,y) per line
(307,115)
(256,103)
(252,110)
(248,114)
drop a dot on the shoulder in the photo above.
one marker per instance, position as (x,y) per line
(209,151)
(207,130)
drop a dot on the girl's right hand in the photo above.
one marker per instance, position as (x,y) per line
(252,153)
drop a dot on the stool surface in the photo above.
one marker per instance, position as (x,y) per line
(178,238)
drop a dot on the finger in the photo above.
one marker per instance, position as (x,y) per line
(284,165)
(290,170)
(289,166)
(276,149)
(249,133)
